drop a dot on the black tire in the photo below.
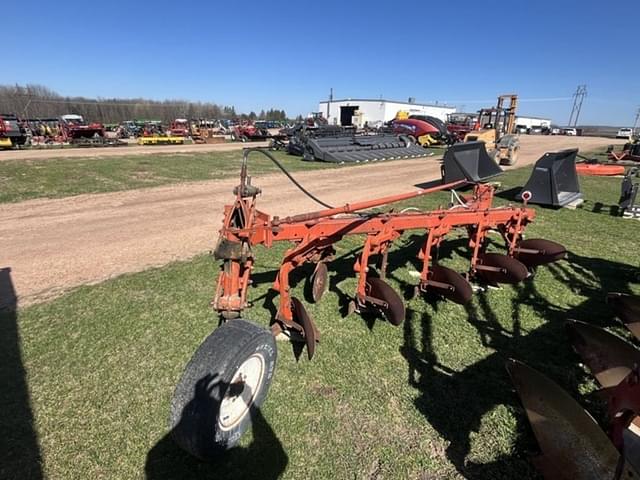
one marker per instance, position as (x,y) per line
(512,158)
(195,418)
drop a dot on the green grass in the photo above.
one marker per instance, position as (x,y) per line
(427,400)
(55,178)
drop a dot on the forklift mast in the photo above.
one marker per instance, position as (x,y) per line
(508,112)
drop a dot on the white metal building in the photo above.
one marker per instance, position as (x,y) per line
(374,112)
(529,122)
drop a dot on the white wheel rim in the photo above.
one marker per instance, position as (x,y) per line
(242,390)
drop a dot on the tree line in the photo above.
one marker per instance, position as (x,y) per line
(39,102)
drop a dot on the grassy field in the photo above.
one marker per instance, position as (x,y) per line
(90,375)
(55,178)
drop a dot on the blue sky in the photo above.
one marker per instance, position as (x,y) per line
(261,54)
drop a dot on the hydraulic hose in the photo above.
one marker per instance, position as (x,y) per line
(245,156)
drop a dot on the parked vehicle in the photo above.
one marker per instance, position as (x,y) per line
(554,130)
(625,133)
(74,128)
(535,130)
(521,129)
(570,131)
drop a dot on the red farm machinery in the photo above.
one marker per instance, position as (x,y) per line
(231,371)
(76,131)
(12,133)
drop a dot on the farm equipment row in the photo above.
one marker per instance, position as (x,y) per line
(231,371)
(572,444)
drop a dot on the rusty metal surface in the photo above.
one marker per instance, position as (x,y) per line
(449,284)
(609,358)
(311,334)
(537,251)
(498,268)
(319,281)
(390,303)
(627,308)
(572,444)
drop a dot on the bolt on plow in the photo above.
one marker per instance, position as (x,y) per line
(230,373)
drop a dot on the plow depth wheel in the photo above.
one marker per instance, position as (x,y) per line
(394,310)
(227,377)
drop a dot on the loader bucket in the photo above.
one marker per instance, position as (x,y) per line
(554,180)
(573,447)
(468,161)
(362,148)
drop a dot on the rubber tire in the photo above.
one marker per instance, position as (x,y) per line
(193,419)
(513,159)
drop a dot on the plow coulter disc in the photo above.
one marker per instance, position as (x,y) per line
(627,308)
(609,357)
(537,251)
(449,284)
(572,445)
(301,317)
(388,302)
(498,268)
(319,281)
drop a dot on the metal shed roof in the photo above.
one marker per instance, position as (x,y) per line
(379,100)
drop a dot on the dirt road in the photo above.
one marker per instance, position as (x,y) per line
(44,154)
(53,245)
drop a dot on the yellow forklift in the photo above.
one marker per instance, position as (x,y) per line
(495,127)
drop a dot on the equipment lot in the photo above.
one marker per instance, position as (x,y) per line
(102,361)
(52,245)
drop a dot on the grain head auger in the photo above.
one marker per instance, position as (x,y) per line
(245,353)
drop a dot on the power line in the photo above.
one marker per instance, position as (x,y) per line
(534,99)
(578,98)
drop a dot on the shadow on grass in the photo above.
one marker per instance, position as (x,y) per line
(264,459)
(20,457)
(613,210)
(455,402)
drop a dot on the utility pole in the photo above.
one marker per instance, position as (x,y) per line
(635,122)
(329,102)
(578,98)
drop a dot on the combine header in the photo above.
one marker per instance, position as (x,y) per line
(328,143)
(231,371)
